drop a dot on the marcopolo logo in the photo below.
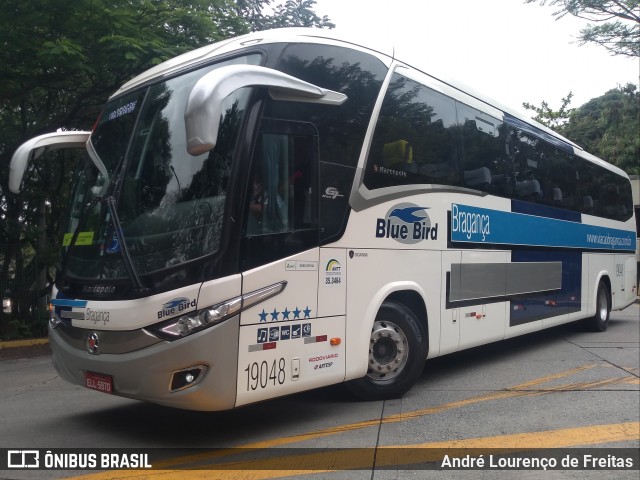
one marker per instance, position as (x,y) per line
(407,223)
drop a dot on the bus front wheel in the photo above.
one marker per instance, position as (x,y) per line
(397,352)
(600,321)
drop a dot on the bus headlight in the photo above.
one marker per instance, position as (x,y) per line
(195,321)
(180,327)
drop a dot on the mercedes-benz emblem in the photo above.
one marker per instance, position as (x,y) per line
(93,343)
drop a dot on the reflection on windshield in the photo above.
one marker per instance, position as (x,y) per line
(169,204)
(172,210)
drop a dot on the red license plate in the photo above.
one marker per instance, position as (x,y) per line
(99,382)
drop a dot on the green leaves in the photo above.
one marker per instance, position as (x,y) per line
(606,126)
(59,62)
(552,118)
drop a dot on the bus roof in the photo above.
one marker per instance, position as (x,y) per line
(317,35)
(281,35)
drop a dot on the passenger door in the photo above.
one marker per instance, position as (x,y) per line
(284,346)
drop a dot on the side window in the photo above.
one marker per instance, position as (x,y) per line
(625,199)
(588,186)
(415,139)
(603,193)
(356,74)
(615,196)
(282,205)
(341,130)
(528,164)
(559,179)
(485,163)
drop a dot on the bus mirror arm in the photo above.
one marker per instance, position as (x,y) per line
(203,111)
(35,147)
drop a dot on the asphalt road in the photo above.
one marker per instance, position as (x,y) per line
(560,388)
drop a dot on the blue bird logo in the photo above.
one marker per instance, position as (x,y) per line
(175,302)
(407,215)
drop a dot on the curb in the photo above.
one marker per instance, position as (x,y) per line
(30,342)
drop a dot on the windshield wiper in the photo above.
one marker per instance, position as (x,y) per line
(117,227)
(110,202)
(124,250)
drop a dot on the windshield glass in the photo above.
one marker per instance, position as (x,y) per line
(169,204)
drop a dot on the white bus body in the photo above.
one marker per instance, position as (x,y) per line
(287,210)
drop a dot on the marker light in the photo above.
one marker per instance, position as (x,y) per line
(54,319)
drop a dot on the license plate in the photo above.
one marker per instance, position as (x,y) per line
(99,382)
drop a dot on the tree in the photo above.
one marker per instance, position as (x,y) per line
(60,61)
(552,118)
(292,13)
(617,22)
(606,126)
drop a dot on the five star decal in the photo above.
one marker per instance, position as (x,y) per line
(285,314)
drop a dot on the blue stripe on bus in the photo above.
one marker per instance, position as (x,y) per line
(483,226)
(518,206)
(67,302)
(531,307)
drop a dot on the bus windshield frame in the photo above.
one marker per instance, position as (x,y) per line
(169,205)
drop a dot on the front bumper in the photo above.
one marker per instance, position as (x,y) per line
(146,373)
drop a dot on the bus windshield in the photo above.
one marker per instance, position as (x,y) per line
(169,204)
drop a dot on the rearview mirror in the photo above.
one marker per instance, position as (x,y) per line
(35,147)
(204,105)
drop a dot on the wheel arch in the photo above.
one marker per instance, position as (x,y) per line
(414,302)
(407,293)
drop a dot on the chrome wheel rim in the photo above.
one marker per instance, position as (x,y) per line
(388,351)
(603,308)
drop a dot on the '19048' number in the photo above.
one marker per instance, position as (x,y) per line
(260,375)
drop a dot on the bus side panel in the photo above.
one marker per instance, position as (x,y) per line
(625,275)
(450,320)
(285,346)
(374,274)
(582,307)
(332,282)
(483,320)
(302,358)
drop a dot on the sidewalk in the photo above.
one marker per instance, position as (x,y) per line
(27,348)
(28,342)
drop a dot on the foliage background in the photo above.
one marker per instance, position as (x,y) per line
(59,62)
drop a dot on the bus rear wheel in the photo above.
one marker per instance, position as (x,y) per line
(600,321)
(397,351)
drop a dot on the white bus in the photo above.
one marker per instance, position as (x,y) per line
(287,210)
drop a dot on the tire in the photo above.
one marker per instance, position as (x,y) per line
(397,352)
(600,321)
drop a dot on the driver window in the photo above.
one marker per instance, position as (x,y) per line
(269,201)
(282,202)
